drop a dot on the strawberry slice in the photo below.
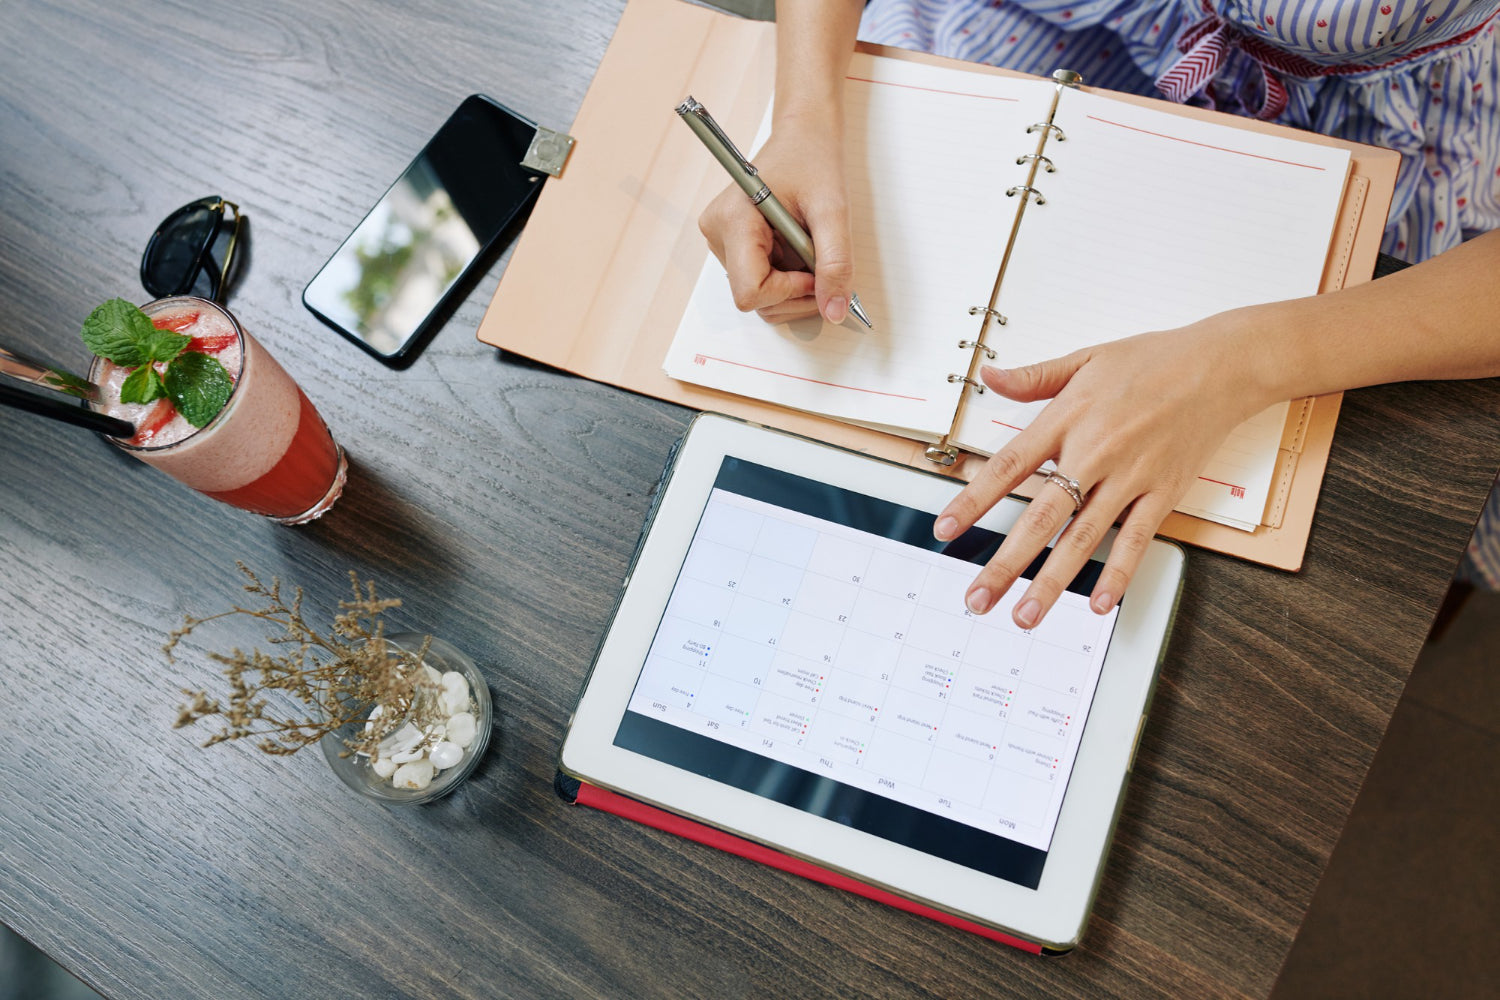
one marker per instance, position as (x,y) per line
(160,414)
(176,323)
(211,343)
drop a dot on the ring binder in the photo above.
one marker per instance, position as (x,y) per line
(978,386)
(944,453)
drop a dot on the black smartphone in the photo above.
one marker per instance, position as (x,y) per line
(387,288)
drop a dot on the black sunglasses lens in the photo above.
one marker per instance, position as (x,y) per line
(176,253)
(203,282)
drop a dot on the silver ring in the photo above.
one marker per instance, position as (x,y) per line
(1067,485)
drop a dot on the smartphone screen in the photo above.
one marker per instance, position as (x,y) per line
(386,287)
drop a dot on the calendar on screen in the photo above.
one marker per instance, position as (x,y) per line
(816,650)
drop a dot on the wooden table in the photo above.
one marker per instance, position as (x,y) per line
(501,502)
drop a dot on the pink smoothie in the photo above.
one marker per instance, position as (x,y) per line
(267,451)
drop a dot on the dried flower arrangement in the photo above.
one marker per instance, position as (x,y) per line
(334,677)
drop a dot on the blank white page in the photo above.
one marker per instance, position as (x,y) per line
(1153,221)
(929,153)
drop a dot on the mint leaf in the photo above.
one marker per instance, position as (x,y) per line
(118,331)
(141,386)
(198,386)
(166,345)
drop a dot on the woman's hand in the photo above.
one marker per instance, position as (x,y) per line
(803,163)
(1134,421)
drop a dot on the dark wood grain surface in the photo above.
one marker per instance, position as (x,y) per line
(502,502)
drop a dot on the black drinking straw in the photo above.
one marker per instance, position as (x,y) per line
(67,412)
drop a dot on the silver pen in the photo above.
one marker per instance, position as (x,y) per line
(743,171)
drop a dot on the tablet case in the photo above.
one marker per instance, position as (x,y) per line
(576,792)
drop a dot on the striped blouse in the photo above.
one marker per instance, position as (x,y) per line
(1418,76)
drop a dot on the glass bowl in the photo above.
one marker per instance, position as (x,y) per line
(358,772)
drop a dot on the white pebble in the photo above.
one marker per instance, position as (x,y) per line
(432,674)
(383,766)
(445,755)
(401,740)
(454,702)
(462,728)
(455,696)
(407,756)
(414,775)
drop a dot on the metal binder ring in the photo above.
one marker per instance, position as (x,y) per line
(971,344)
(976,310)
(1046,162)
(1067,485)
(941,453)
(1044,126)
(1029,190)
(978,386)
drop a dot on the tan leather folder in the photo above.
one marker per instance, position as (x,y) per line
(605,266)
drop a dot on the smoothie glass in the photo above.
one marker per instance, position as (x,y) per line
(267,451)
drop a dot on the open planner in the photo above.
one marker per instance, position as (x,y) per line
(1009,221)
(1152,215)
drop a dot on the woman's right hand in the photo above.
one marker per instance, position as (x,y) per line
(803,163)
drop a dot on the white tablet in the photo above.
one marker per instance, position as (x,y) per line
(791,662)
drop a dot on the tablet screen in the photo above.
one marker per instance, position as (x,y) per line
(816,651)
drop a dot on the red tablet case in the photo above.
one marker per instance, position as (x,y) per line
(583,794)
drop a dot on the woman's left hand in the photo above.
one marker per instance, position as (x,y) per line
(1134,421)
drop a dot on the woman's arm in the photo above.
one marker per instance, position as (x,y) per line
(803,162)
(1136,420)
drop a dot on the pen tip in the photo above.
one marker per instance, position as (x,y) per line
(858,310)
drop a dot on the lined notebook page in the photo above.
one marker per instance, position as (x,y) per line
(927,151)
(1152,221)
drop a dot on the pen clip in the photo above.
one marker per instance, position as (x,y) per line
(696,108)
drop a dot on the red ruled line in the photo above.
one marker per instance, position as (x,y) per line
(934,90)
(1219,482)
(1190,142)
(804,378)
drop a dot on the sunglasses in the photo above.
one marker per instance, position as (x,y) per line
(185,257)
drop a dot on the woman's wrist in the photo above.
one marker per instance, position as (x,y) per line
(1266,347)
(812,133)
(814,41)
(1223,359)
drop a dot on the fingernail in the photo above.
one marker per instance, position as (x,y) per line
(946,528)
(978,600)
(1102,602)
(1028,613)
(836,310)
